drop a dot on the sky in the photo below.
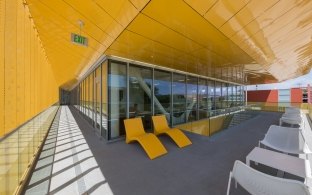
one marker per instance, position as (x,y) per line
(301,81)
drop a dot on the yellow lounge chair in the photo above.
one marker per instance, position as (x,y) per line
(161,127)
(150,143)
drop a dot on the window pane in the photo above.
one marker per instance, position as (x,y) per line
(218,95)
(90,105)
(140,83)
(211,96)
(191,99)
(162,91)
(202,99)
(230,96)
(179,98)
(224,95)
(104,100)
(97,98)
(117,84)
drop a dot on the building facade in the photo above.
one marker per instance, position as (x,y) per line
(119,89)
(292,95)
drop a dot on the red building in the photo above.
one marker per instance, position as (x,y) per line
(293,95)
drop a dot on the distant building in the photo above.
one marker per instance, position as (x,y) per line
(292,95)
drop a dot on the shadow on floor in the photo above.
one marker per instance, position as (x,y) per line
(202,168)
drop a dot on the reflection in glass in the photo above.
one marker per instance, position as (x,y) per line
(211,96)
(224,97)
(91,95)
(179,99)
(140,93)
(80,97)
(117,84)
(234,95)
(104,100)
(241,95)
(191,99)
(162,91)
(202,99)
(218,102)
(85,96)
(230,102)
(97,98)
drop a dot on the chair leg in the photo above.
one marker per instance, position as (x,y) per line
(229,184)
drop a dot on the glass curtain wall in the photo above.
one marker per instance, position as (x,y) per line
(97,98)
(224,96)
(140,94)
(191,99)
(162,91)
(116,90)
(211,97)
(117,98)
(218,102)
(235,94)
(90,100)
(230,96)
(203,99)
(104,94)
(87,97)
(178,99)
(84,97)
(241,95)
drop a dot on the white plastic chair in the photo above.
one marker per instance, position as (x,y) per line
(292,110)
(292,120)
(286,128)
(287,140)
(258,183)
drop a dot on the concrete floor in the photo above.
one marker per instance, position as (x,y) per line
(202,168)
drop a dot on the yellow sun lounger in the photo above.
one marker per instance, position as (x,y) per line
(150,143)
(161,127)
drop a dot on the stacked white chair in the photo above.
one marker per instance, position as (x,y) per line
(287,140)
(259,183)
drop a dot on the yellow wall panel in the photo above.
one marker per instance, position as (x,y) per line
(27,83)
(20,50)
(2,19)
(27,67)
(10,65)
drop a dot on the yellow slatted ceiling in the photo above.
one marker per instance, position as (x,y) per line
(198,36)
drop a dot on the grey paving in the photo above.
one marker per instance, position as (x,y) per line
(78,161)
(202,168)
(66,164)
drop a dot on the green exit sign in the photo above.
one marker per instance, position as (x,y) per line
(78,39)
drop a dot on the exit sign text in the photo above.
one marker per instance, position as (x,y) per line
(78,39)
